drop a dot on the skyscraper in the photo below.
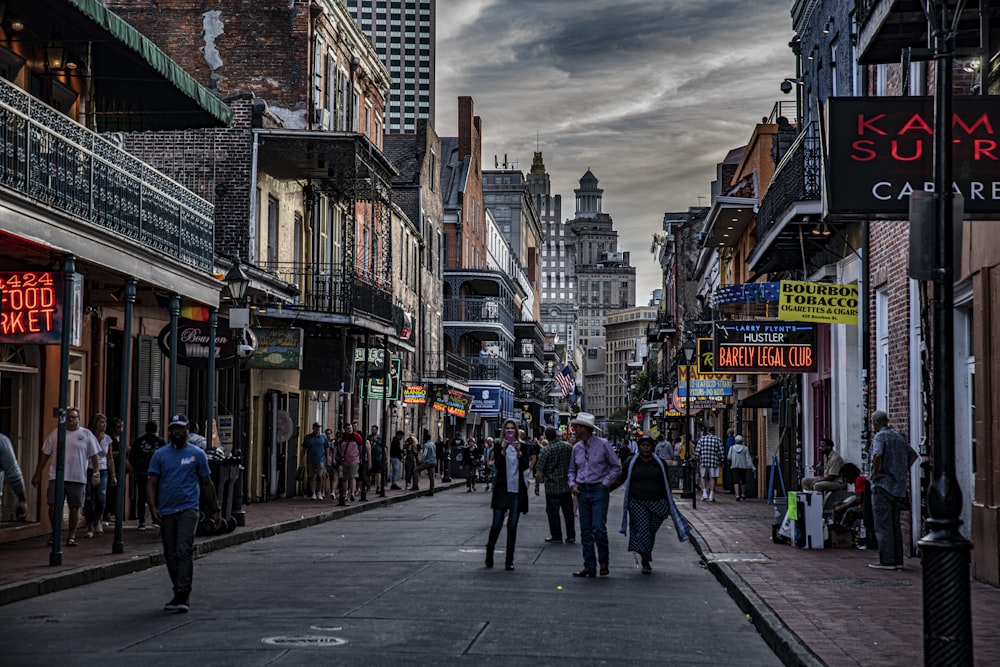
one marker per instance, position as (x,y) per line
(403,33)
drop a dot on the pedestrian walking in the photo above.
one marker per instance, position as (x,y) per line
(648,502)
(552,468)
(115,427)
(178,478)
(470,464)
(81,451)
(592,469)
(709,453)
(510,493)
(428,462)
(892,457)
(96,496)
(396,459)
(740,465)
(11,473)
(410,461)
(314,448)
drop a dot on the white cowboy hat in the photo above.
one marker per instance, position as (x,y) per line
(585,419)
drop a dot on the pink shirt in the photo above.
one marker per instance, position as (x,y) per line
(350,448)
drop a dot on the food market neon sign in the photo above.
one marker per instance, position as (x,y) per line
(31,307)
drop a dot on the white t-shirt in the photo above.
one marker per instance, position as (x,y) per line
(102,456)
(80,446)
(511,456)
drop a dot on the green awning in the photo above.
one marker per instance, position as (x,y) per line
(155,58)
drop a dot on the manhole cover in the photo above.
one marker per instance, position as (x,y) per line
(305,640)
(847,581)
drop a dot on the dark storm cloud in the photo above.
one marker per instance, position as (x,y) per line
(649,94)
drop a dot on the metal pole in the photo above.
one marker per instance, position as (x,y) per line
(175,314)
(690,438)
(117,546)
(69,283)
(945,553)
(364,418)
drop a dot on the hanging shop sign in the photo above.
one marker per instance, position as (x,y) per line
(486,400)
(765,346)
(414,394)
(31,307)
(452,402)
(279,348)
(881,149)
(706,362)
(194,344)
(690,381)
(376,384)
(818,302)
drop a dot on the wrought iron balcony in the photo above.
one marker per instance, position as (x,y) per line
(323,289)
(52,161)
(456,367)
(529,351)
(471,310)
(491,368)
(797,178)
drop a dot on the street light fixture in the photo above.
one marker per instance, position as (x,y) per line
(237,281)
(237,284)
(689,349)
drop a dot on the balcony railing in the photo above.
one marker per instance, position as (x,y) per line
(323,289)
(491,368)
(475,310)
(55,162)
(797,178)
(525,350)
(456,367)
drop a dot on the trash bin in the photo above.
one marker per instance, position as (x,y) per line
(225,477)
(457,463)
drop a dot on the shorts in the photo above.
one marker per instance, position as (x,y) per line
(739,475)
(315,469)
(707,471)
(332,470)
(349,470)
(75,493)
(377,465)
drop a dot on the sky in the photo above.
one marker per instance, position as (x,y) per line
(648,94)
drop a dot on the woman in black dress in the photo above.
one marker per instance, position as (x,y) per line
(647,502)
(509,459)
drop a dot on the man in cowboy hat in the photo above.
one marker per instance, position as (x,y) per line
(593,468)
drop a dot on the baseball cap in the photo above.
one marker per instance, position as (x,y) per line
(178,419)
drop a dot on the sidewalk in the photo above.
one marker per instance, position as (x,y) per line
(24,565)
(824,606)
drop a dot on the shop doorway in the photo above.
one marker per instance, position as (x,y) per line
(19,419)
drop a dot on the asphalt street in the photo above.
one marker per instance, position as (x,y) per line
(398,585)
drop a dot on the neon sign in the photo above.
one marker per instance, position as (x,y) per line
(765,346)
(31,307)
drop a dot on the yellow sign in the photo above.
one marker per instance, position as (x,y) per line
(696,375)
(818,302)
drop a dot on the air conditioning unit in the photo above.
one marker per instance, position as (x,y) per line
(322,118)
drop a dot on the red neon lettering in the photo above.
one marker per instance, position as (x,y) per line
(916,123)
(984,148)
(982,120)
(867,123)
(862,146)
(915,156)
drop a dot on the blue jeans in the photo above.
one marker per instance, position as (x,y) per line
(177,533)
(93,506)
(593,508)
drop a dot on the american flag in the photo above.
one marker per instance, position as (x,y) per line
(566,381)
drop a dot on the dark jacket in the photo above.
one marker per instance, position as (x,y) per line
(499,500)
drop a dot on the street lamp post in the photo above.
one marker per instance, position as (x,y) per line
(688,348)
(237,284)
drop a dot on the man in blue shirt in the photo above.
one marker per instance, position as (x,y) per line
(178,475)
(315,445)
(892,457)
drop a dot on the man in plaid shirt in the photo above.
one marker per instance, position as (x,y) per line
(710,455)
(552,467)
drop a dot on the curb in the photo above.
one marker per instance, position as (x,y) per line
(90,574)
(787,645)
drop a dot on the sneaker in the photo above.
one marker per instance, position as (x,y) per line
(142,525)
(704,496)
(711,499)
(320,497)
(177,605)
(156,525)
(882,566)
(100,528)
